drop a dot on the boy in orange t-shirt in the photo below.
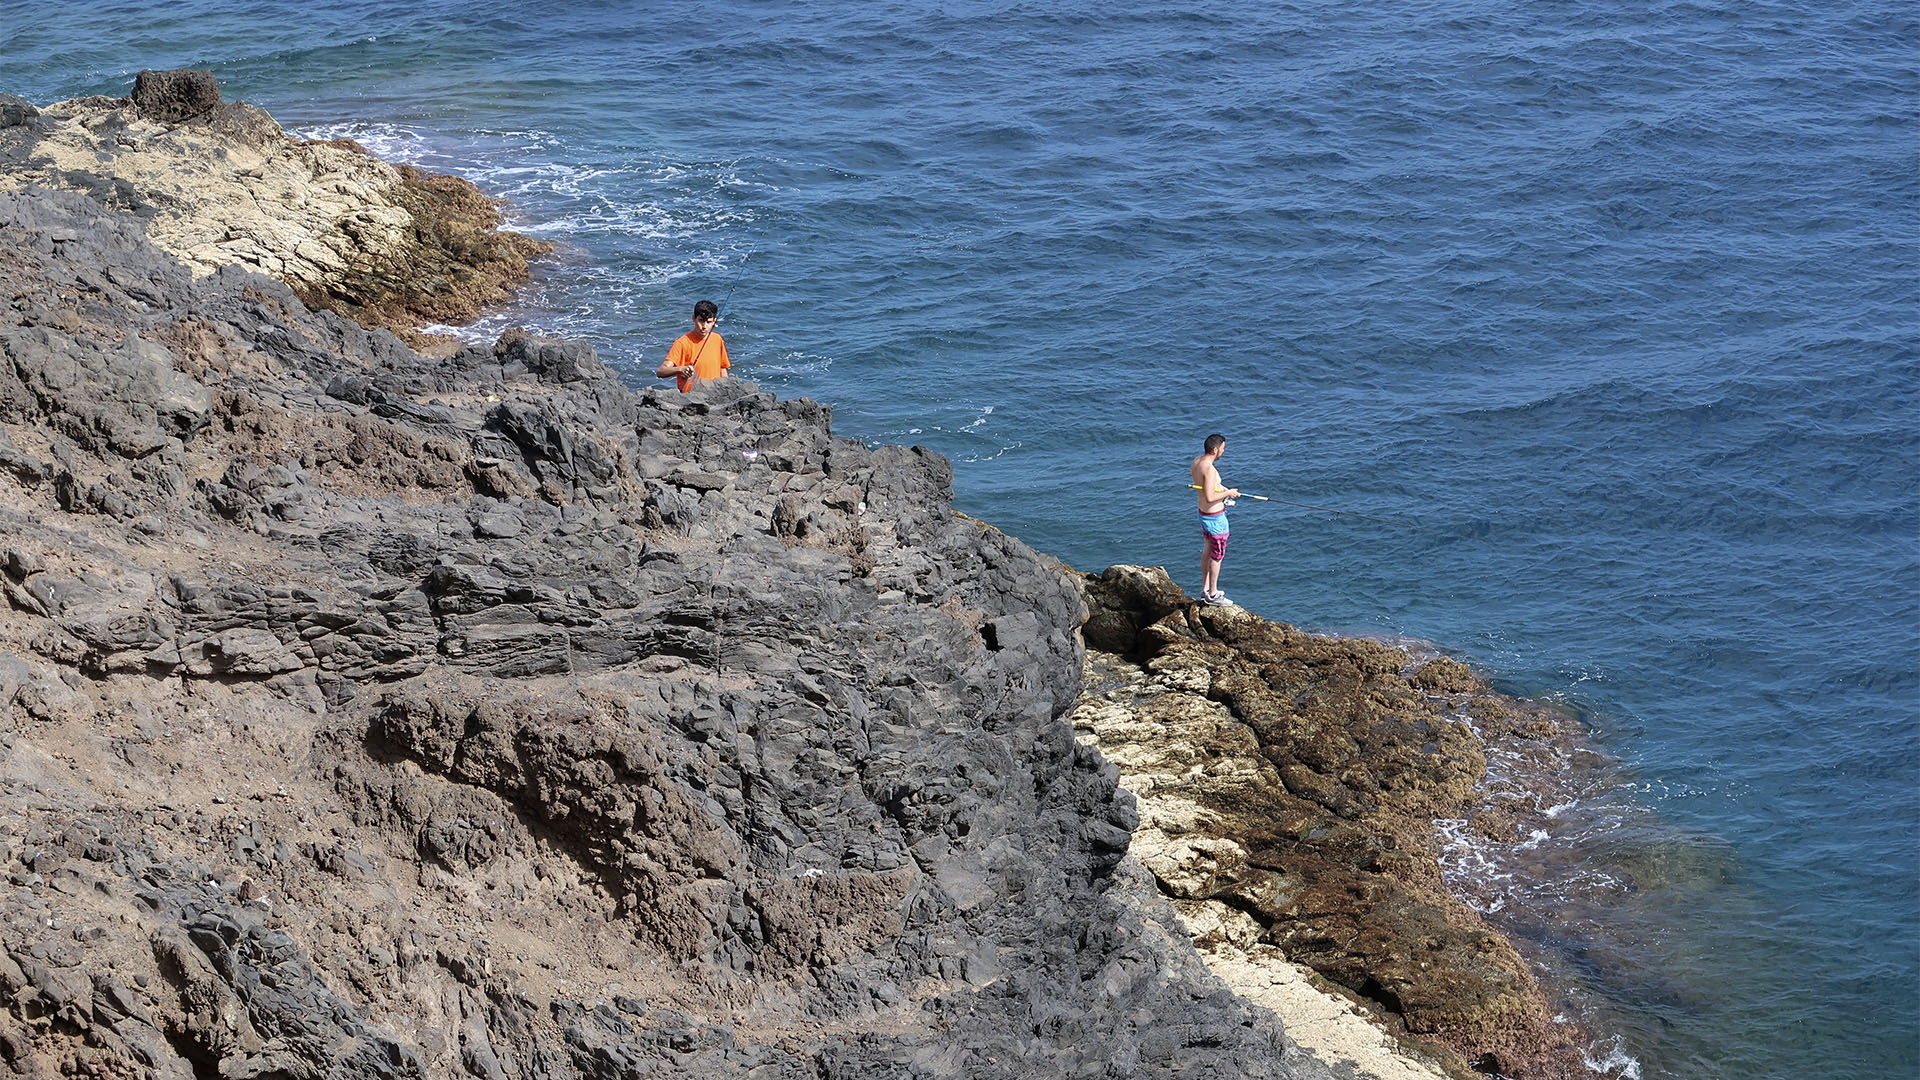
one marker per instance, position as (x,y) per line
(698,354)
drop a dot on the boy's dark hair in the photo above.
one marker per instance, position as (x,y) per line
(706,309)
(1215,441)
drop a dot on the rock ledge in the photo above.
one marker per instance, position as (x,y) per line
(1288,786)
(220,184)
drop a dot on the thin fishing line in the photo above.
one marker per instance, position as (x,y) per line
(1328,509)
(721,307)
(739,272)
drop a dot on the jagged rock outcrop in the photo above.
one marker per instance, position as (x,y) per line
(366,715)
(220,184)
(1289,784)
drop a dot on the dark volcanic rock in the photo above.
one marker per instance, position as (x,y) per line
(15,110)
(367,715)
(168,97)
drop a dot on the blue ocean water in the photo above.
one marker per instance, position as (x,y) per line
(1614,306)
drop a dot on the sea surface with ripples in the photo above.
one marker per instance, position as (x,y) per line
(1610,308)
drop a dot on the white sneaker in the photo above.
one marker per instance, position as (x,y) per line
(1216,599)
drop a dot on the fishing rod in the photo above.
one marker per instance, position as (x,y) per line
(721,307)
(1310,506)
(738,273)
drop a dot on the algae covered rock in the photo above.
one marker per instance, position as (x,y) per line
(1295,779)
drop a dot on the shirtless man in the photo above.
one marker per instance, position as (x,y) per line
(1213,518)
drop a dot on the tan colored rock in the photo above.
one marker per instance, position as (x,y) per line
(1335,1029)
(387,245)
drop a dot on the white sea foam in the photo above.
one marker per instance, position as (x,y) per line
(1008,448)
(794,362)
(472,333)
(386,141)
(1470,861)
(1609,1058)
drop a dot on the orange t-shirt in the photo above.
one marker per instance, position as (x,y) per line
(709,357)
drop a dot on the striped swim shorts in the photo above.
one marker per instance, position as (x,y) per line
(1214,526)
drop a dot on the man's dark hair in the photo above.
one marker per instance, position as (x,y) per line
(706,309)
(1215,441)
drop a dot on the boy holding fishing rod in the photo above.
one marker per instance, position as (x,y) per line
(700,353)
(1213,518)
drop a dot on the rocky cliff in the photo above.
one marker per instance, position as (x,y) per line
(365,714)
(370,715)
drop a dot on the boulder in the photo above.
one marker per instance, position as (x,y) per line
(171,97)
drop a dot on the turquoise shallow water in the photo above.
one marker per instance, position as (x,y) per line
(1614,305)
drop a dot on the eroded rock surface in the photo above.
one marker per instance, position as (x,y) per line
(365,716)
(220,184)
(1288,787)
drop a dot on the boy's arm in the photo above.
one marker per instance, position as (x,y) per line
(672,366)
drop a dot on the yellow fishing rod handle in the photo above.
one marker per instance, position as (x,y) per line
(1242,495)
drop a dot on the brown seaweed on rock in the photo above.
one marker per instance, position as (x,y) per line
(1295,779)
(454,262)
